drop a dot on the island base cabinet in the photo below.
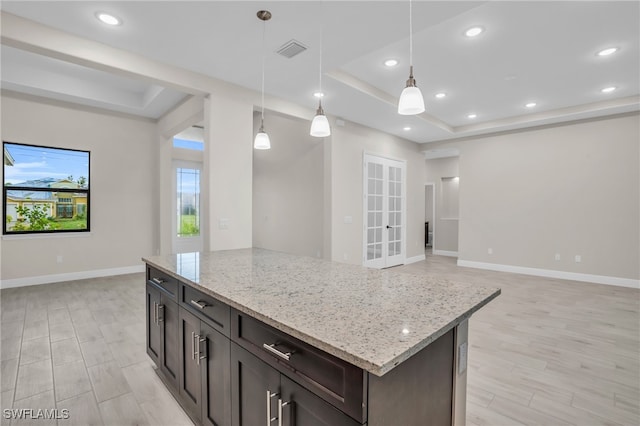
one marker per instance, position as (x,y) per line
(204,374)
(216,378)
(190,389)
(162,333)
(261,395)
(417,392)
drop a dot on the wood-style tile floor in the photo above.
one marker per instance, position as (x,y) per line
(546,352)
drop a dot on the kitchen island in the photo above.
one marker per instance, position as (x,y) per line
(253,336)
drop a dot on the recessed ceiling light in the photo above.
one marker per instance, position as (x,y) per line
(608,89)
(108,19)
(472,116)
(391,62)
(531,104)
(473,31)
(318,94)
(608,51)
(441,95)
(406,128)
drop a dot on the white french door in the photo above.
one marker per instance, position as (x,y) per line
(384,211)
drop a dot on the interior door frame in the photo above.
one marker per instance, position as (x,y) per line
(366,154)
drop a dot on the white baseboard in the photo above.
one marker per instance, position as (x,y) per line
(550,273)
(445,253)
(414,259)
(69,276)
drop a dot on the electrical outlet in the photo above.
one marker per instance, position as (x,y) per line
(462,358)
(348,219)
(557,256)
(578,258)
(223,224)
(59,258)
(490,251)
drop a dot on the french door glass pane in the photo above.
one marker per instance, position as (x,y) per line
(188,205)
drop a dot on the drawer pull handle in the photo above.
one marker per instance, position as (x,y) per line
(158,281)
(272,348)
(198,304)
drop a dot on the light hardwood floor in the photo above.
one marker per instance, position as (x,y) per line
(546,352)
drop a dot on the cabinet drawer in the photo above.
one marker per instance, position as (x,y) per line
(209,309)
(164,282)
(332,379)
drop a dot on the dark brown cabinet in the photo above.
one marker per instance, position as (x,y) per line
(259,391)
(204,379)
(162,332)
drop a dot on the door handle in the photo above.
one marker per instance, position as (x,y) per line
(160,318)
(389,227)
(269,396)
(281,405)
(200,339)
(193,345)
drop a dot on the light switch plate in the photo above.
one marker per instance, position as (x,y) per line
(223,224)
(462,358)
(348,219)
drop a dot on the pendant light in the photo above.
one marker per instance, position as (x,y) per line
(411,100)
(262,138)
(320,125)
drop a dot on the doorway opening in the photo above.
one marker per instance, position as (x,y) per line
(429,217)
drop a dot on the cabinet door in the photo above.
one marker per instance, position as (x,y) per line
(302,408)
(251,381)
(169,356)
(216,377)
(153,328)
(190,379)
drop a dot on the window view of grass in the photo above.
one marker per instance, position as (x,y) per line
(189,226)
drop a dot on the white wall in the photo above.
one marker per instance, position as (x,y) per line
(569,189)
(348,145)
(228,164)
(288,188)
(445,229)
(122,207)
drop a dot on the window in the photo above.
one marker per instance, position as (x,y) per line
(46,190)
(188,202)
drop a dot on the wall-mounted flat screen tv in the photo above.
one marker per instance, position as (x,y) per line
(46,189)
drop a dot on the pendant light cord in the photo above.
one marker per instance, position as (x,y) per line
(410,35)
(321,28)
(264,30)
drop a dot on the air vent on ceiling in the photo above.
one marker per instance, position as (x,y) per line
(291,49)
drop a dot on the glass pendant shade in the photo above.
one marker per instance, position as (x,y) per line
(262,140)
(411,100)
(320,125)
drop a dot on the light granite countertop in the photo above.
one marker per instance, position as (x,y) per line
(374,319)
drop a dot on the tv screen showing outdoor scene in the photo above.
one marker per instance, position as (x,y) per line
(46,189)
